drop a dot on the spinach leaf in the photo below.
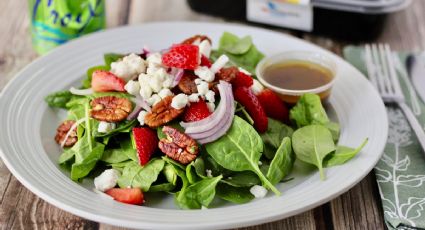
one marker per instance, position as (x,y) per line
(174,163)
(122,127)
(170,174)
(86,159)
(111,57)
(191,174)
(67,155)
(165,187)
(198,194)
(240,150)
(273,137)
(114,156)
(335,129)
(342,154)
(312,144)
(58,99)
(282,162)
(236,195)
(242,179)
(309,111)
(199,165)
(137,176)
(234,45)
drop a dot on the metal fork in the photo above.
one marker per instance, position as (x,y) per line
(382,74)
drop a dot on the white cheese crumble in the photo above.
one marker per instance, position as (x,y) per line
(219,63)
(107,180)
(155,84)
(205,48)
(165,93)
(155,98)
(180,101)
(194,97)
(202,88)
(145,91)
(210,96)
(209,173)
(260,163)
(257,87)
(205,73)
(258,191)
(154,59)
(105,127)
(132,87)
(128,67)
(198,81)
(141,117)
(211,106)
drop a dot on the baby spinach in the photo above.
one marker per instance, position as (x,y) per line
(234,45)
(111,57)
(137,176)
(236,195)
(114,156)
(198,194)
(335,129)
(86,159)
(122,127)
(312,144)
(170,174)
(309,111)
(342,154)
(165,187)
(273,136)
(191,173)
(58,99)
(240,150)
(242,179)
(282,162)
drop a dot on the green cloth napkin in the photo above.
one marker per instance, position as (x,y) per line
(400,172)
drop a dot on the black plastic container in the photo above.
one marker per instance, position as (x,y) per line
(348,20)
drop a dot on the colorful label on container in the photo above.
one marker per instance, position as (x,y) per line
(294,14)
(54,22)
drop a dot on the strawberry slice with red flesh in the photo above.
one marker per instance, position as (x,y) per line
(104,81)
(242,80)
(196,111)
(273,106)
(126,195)
(205,61)
(184,56)
(146,141)
(247,98)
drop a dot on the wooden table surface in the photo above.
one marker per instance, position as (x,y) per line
(358,208)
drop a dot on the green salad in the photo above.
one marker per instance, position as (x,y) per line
(191,121)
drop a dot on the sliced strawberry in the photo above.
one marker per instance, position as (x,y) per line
(104,81)
(126,195)
(273,106)
(146,143)
(183,56)
(196,111)
(246,97)
(205,61)
(242,80)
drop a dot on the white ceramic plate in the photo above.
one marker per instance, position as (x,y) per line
(28,126)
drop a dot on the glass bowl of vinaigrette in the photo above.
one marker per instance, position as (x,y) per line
(294,73)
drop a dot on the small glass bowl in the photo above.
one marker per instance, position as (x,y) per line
(292,96)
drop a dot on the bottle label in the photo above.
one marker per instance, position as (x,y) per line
(294,14)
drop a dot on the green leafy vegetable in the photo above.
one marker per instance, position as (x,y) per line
(282,162)
(137,176)
(240,150)
(85,158)
(341,155)
(198,194)
(312,144)
(236,195)
(242,179)
(112,57)
(309,111)
(170,174)
(122,127)
(191,174)
(234,45)
(58,99)
(273,137)
(165,187)
(335,129)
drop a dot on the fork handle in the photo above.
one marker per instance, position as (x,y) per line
(416,126)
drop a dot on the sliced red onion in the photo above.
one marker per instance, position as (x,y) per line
(178,74)
(133,115)
(146,51)
(141,104)
(71,129)
(81,92)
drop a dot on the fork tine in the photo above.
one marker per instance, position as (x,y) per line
(369,66)
(392,73)
(378,70)
(385,69)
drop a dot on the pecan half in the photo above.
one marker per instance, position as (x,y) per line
(227,74)
(110,108)
(61,132)
(162,113)
(192,39)
(178,146)
(187,83)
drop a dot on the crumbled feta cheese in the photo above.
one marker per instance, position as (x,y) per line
(154,59)
(152,69)
(257,87)
(205,48)
(145,91)
(260,163)
(155,98)
(219,63)
(244,71)
(211,106)
(141,117)
(128,67)
(168,82)
(205,73)
(193,97)
(198,81)
(202,88)
(132,87)
(258,191)
(164,93)
(160,74)
(210,96)
(155,84)
(209,173)
(179,101)
(107,180)
(143,79)
(105,127)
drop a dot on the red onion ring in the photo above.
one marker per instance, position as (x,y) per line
(141,104)
(178,74)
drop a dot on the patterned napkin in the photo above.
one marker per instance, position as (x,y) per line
(400,173)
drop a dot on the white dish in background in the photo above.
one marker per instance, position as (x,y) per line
(28,127)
